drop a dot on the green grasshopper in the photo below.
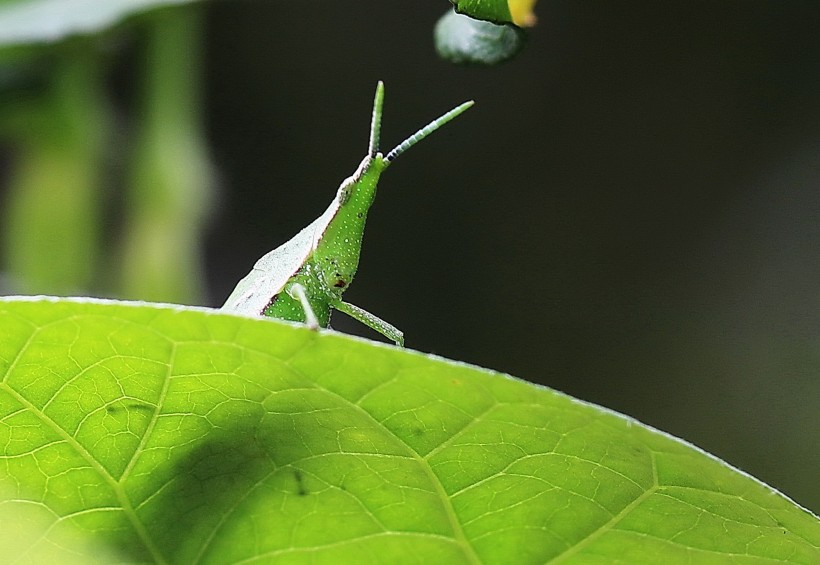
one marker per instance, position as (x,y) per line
(303,279)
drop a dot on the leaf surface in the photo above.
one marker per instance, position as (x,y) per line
(180,435)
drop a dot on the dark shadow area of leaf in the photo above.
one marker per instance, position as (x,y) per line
(217,474)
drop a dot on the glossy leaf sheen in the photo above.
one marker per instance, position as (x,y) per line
(189,436)
(44,21)
(497,11)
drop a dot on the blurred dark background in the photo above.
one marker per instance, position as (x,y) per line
(630,214)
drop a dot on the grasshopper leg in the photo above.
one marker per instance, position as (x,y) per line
(297,291)
(386,329)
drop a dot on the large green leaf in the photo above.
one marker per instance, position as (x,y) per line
(177,435)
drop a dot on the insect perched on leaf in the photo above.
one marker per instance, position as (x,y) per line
(303,279)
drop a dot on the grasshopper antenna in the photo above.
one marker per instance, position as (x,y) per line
(376,120)
(425,131)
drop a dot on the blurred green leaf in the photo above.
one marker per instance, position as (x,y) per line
(463,40)
(178,435)
(62,131)
(46,21)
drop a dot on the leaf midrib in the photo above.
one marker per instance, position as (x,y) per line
(603,528)
(115,485)
(458,533)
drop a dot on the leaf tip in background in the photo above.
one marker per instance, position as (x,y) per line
(463,40)
(50,21)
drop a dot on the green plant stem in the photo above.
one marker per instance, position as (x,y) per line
(169,192)
(51,217)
